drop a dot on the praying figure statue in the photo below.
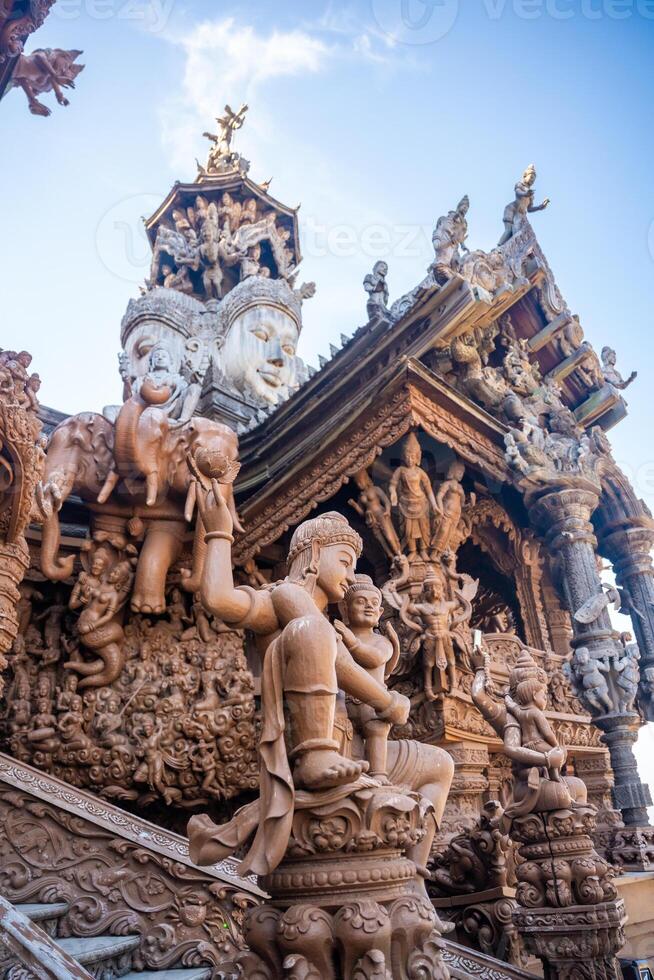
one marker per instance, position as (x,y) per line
(523,204)
(305,662)
(411,492)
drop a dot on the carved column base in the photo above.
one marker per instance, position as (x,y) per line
(570,914)
(576,943)
(630,795)
(632,848)
(345,903)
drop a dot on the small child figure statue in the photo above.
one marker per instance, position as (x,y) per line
(362,608)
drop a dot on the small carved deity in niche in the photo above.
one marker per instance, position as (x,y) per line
(176,279)
(376,287)
(437,619)
(523,204)
(610,372)
(375,508)
(448,240)
(450,499)
(378,654)
(411,492)
(251,263)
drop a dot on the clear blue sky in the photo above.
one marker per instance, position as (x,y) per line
(378,116)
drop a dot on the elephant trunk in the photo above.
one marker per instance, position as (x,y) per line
(126,437)
(53,567)
(192,581)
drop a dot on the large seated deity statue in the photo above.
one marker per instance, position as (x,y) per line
(306,662)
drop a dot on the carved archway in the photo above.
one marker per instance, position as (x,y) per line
(516,553)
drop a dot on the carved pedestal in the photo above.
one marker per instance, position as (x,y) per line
(570,915)
(345,902)
(576,943)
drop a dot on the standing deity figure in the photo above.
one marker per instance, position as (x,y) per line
(523,204)
(375,508)
(450,499)
(376,287)
(221,154)
(411,492)
(611,374)
(305,662)
(436,621)
(448,240)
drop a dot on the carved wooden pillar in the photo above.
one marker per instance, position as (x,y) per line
(470,782)
(564,517)
(558,620)
(628,546)
(21,464)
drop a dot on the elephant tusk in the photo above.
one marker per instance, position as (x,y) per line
(191,498)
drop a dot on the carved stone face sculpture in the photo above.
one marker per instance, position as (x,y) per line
(145,348)
(162,319)
(259,353)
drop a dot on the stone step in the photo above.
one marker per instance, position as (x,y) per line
(99,954)
(198,973)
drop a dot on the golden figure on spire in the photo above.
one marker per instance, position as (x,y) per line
(221,155)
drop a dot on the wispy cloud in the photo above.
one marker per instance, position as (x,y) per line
(226,58)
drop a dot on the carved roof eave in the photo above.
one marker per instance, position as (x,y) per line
(231,181)
(374,351)
(316,465)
